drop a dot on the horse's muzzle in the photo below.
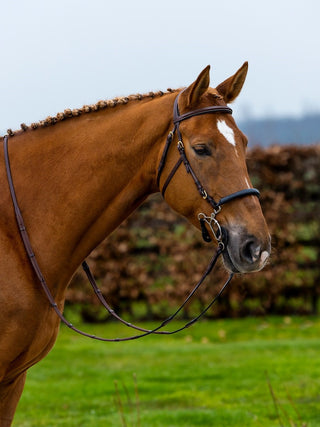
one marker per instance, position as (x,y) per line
(245,252)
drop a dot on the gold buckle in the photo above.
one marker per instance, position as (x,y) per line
(204,194)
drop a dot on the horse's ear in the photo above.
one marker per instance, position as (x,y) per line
(198,88)
(231,87)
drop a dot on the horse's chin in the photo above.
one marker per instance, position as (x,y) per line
(228,264)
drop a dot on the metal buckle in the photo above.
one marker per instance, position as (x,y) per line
(180,145)
(213,225)
(204,194)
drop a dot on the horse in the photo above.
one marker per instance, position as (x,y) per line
(79,174)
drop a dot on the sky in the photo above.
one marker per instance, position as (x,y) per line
(64,54)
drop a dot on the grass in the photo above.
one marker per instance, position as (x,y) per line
(249,372)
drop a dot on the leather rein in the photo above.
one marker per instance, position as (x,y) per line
(211,221)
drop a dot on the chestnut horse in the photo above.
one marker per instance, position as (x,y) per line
(78,180)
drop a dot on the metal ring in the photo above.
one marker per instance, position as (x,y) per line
(221,245)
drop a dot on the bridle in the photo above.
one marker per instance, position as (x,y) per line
(210,221)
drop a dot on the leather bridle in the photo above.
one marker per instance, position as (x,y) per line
(210,221)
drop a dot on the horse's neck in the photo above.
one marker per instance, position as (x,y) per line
(80,179)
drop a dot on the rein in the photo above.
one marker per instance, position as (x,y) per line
(204,220)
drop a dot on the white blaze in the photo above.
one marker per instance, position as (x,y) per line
(247,182)
(226,131)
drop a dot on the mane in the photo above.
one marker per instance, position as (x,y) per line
(100,105)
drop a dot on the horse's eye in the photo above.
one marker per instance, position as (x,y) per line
(202,150)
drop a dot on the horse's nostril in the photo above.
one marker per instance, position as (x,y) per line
(245,252)
(251,251)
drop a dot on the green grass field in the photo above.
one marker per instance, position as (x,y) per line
(250,372)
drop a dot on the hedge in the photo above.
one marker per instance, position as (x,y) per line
(148,266)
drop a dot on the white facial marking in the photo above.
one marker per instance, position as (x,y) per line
(247,182)
(226,131)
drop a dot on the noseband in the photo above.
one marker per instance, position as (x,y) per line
(211,220)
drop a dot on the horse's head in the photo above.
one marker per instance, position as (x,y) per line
(213,151)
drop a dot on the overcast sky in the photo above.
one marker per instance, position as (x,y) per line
(68,53)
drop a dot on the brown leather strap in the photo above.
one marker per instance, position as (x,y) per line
(164,154)
(200,111)
(170,176)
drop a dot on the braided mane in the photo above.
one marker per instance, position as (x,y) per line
(100,105)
